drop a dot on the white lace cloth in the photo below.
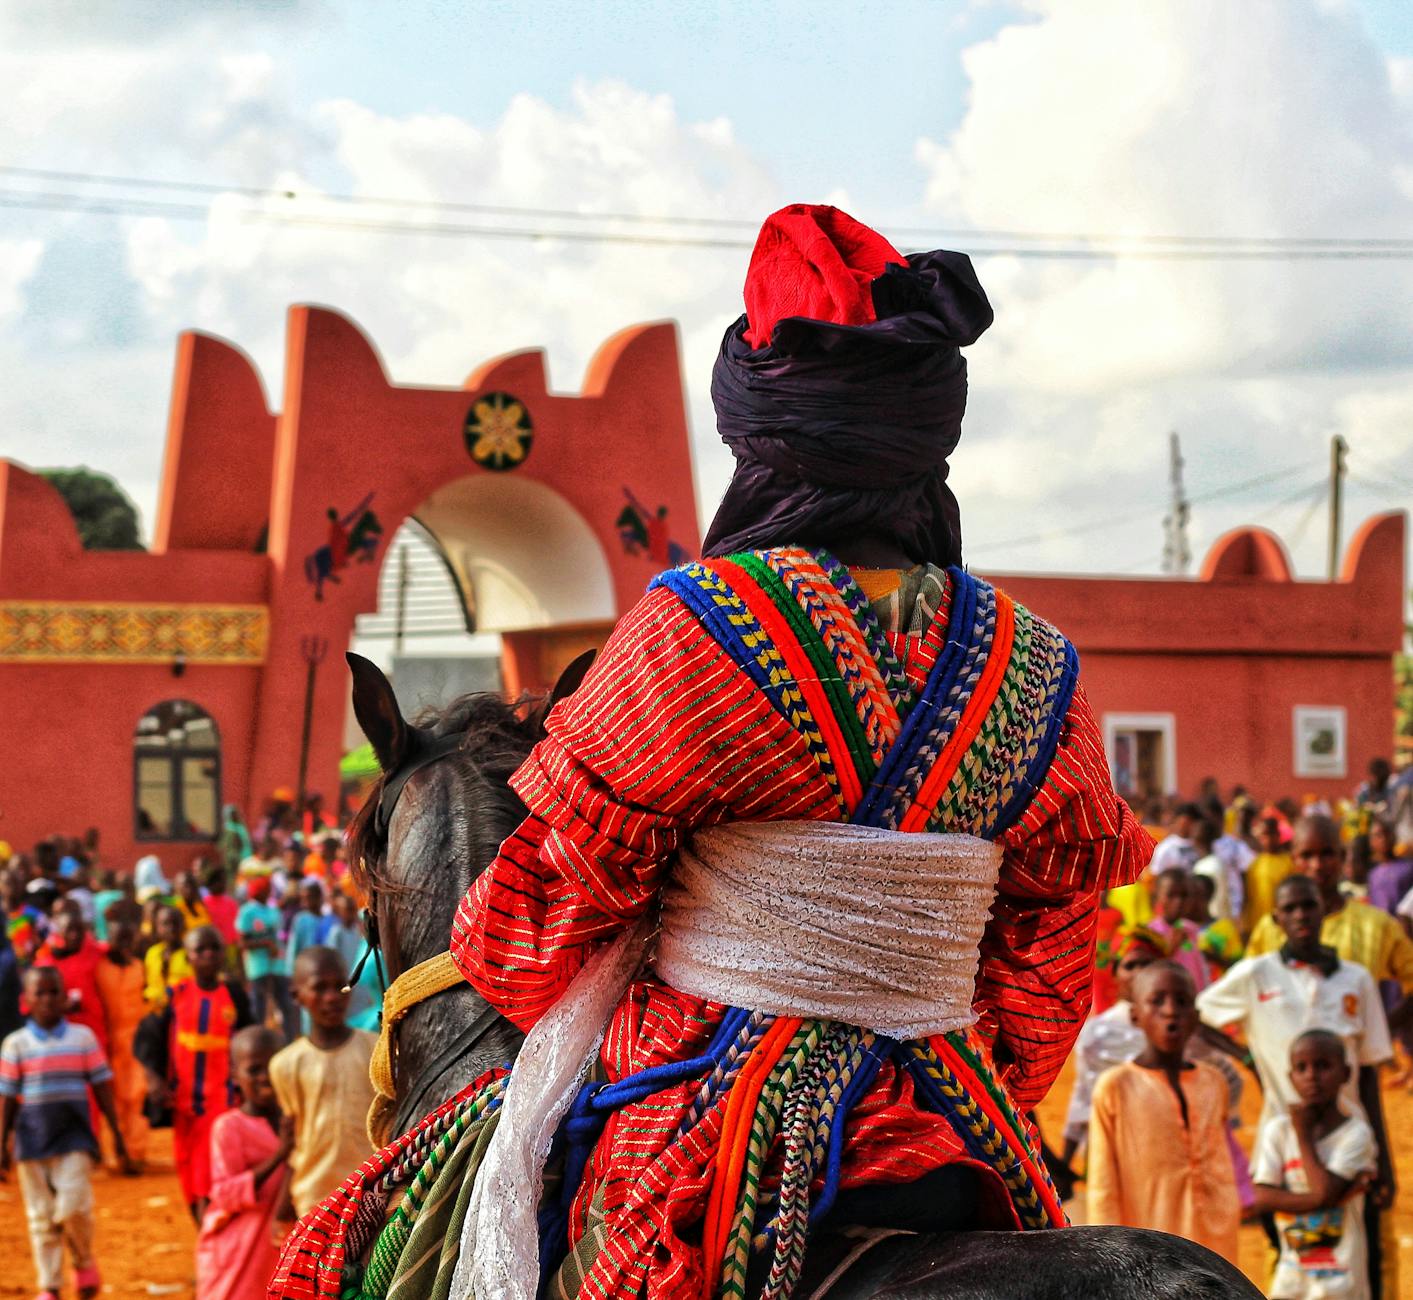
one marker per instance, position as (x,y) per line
(877,928)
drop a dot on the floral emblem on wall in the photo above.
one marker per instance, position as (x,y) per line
(499,432)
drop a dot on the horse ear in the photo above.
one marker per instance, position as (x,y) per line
(375,707)
(569,681)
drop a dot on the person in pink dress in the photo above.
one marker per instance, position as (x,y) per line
(1170,895)
(250,1147)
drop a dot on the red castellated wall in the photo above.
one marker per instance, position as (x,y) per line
(220,611)
(1230,656)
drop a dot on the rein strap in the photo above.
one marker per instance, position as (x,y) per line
(423,981)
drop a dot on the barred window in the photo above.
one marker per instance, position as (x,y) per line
(177,773)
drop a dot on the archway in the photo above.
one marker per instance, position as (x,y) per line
(522,556)
(492,583)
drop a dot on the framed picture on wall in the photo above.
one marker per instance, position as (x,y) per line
(1320,741)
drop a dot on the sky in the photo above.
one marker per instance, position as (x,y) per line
(1269,119)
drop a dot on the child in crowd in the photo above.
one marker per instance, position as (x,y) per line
(1158,1152)
(122,992)
(1210,867)
(165,963)
(47,1070)
(1111,1037)
(322,1082)
(310,926)
(1170,921)
(189,901)
(250,1148)
(258,925)
(324,862)
(1273,998)
(260,865)
(1272,864)
(1390,877)
(220,906)
(24,922)
(186,1053)
(346,937)
(1310,1166)
(289,874)
(1219,941)
(1177,848)
(110,891)
(77,955)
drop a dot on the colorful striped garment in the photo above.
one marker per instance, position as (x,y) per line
(50,1071)
(762,687)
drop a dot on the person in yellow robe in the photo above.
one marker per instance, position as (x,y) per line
(1263,877)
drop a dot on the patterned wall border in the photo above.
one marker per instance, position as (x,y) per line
(87,632)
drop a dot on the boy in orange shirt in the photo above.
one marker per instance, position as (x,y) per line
(1158,1154)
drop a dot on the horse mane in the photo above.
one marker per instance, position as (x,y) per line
(497,736)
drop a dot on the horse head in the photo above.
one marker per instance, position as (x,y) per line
(433,822)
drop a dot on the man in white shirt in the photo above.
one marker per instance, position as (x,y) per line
(1277,996)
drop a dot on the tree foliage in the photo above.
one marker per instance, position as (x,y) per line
(104,513)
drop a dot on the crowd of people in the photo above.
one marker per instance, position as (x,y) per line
(1271,941)
(216,1004)
(1268,940)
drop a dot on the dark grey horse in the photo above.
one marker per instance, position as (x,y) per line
(446,826)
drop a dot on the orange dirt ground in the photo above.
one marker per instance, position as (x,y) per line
(146,1238)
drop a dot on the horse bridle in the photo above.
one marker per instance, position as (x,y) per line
(426,751)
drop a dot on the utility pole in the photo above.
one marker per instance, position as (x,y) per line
(402,585)
(1177,555)
(1338,450)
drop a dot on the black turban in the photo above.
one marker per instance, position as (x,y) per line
(841,431)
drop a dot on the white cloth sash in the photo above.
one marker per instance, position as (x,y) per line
(877,928)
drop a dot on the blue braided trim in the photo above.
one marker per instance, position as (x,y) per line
(874,1055)
(588,1116)
(886,795)
(1038,768)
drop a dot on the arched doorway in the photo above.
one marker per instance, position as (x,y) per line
(522,556)
(489,576)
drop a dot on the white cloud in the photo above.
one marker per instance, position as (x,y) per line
(1273,118)
(19,258)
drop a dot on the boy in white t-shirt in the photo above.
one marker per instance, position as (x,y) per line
(1275,997)
(1310,1167)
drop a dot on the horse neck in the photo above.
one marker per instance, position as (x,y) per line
(445,833)
(430,1069)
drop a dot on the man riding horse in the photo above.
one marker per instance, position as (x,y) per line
(801,921)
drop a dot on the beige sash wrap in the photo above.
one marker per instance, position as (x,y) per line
(877,928)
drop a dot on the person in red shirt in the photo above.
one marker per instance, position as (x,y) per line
(220,906)
(76,954)
(185,1050)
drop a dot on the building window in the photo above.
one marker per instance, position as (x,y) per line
(1320,732)
(177,773)
(1142,750)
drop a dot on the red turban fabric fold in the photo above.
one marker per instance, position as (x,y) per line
(816,262)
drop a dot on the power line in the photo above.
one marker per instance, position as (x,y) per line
(1147,512)
(82,204)
(288,194)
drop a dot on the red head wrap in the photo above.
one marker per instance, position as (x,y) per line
(816,262)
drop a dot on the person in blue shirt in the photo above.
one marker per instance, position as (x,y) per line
(259,926)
